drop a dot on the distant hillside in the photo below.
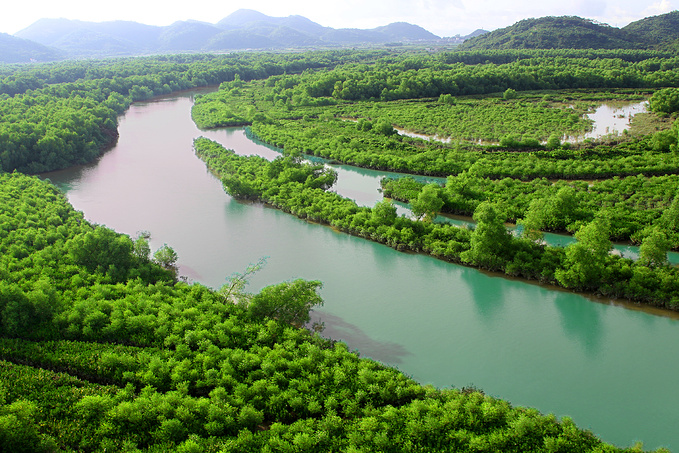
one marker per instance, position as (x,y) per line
(244,29)
(247,18)
(403,31)
(656,31)
(80,38)
(186,35)
(53,39)
(475,33)
(239,39)
(17,50)
(457,39)
(566,32)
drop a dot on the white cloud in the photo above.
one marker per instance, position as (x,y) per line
(660,7)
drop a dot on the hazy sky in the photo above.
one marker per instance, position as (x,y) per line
(441,17)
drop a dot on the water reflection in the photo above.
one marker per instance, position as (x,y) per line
(489,299)
(580,321)
(611,119)
(339,329)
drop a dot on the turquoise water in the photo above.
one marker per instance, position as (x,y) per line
(610,368)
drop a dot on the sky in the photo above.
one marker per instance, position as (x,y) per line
(441,17)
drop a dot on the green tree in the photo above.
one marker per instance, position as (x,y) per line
(234,288)
(141,248)
(102,250)
(17,313)
(669,220)
(490,240)
(447,99)
(665,101)
(553,142)
(428,202)
(532,225)
(654,248)
(509,94)
(553,213)
(383,127)
(585,261)
(19,430)
(364,125)
(239,188)
(384,212)
(288,301)
(166,257)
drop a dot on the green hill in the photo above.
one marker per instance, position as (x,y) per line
(565,32)
(656,31)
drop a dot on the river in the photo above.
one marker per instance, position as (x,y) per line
(611,369)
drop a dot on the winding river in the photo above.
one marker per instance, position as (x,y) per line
(611,369)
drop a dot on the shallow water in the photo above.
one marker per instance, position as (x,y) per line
(607,119)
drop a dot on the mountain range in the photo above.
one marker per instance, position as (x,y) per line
(56,39)
(244,29)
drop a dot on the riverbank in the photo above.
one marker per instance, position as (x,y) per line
(251,178)
(367,187)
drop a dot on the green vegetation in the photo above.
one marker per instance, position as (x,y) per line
(665,101)
(103,349)
(565,32)
(530,176)
(346,115)
(314,113)
(342,141)
(656,31)
(121,357)
(570,32)
(301,189)
(457,74)
(53,116)
(631,203)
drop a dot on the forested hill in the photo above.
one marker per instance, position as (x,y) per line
(565,32)
(571,32)
(17,50)
(657,31)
